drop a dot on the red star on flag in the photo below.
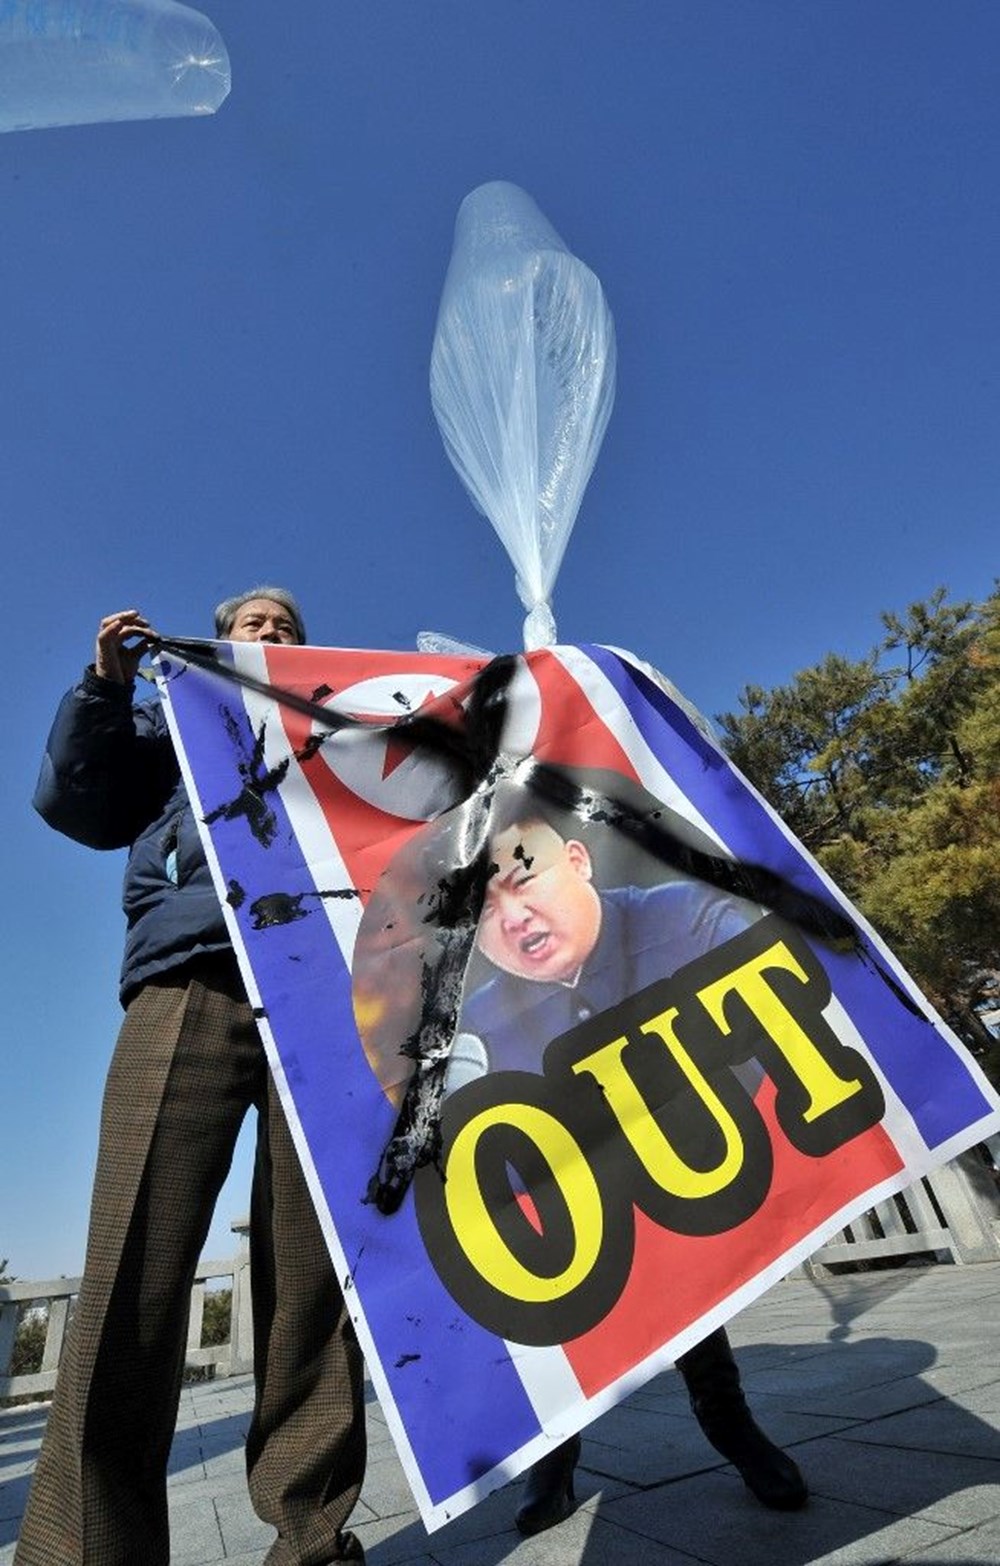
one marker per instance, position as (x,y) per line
(398,745)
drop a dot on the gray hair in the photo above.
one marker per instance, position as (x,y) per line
(229,608)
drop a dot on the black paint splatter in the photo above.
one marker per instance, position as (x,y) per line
(256,782)
(276,908)
(235,894)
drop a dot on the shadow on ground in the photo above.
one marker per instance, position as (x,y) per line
(899,1439)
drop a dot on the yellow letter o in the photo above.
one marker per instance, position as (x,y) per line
(475,1229)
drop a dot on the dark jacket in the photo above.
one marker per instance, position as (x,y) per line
(110,779)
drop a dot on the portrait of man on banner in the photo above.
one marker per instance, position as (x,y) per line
(567,937)
(577,915)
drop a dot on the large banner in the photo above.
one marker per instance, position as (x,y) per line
(580,1049)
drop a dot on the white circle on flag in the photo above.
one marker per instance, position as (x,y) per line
(524,712)
(383,767)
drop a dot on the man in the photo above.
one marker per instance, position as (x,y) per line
(188,1065)
(562,953)
(544,921)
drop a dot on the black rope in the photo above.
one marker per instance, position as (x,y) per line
(650,832)
(473,746)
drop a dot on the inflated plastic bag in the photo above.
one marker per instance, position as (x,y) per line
(522,382)
(77,62)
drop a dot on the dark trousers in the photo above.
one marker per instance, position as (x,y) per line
(188,1065)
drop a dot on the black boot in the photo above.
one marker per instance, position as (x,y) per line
(548,1497)
(713,1382)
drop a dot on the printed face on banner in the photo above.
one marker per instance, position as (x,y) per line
(541,916)
(659,1084)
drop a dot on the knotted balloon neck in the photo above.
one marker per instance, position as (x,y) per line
(539,626)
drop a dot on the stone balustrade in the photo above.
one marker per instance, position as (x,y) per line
(950,1216)
(55,1298)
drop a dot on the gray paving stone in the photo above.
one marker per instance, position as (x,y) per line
(385,1490)
(583,1538)
(493,1518)
(854,1365)
(226,1461)
(198,1490)
(984,1401)
(952,1377)
(195,1538)
(396,1541)
(713,1518)
(948,1490)
(19,1444)
(190,1473)
(973,1547)
(241,1529)
(490,1521)
(380,1442)
(185,1465)
(22,1469)
(944,1426)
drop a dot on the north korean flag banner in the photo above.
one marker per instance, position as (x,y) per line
(580,1049)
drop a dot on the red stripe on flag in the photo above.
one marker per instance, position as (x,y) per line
(366,837)
(571,733)
(677,1278)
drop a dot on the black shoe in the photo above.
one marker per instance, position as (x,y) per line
(348,1549)
(768,1472)
(548,1497)
(713,1382)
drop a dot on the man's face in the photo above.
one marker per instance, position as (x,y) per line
(263,620)
(541,916)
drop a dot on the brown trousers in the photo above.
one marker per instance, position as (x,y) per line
(188,1064)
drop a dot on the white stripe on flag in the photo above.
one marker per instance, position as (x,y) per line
(318,845)
(612,711)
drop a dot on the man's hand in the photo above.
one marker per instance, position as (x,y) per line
(113,658)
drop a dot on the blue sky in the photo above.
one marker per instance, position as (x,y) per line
(215,346)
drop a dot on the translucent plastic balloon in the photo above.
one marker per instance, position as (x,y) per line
(76,62)
(522,382)
(450,646)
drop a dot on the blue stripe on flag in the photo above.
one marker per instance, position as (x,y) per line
(446,1373)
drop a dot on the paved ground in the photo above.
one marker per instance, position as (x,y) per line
(886,1386)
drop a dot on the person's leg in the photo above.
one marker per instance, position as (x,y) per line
(182,1076)
(548,1496)
(712,1378)
(306,1446)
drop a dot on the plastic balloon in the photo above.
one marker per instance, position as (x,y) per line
(76,62)
(522,382)
(449,646)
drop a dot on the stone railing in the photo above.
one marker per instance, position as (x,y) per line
(54,1300)
(952,1215)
